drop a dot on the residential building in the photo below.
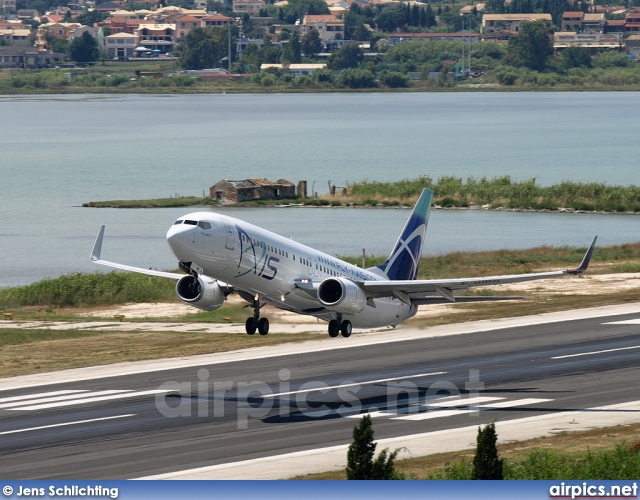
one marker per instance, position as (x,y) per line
(160,37)
(8,5)
(228,191)
(632,23)
(251,7)
(28,58)
(614,26)
(593,23)
(572,21)
(121,45)
(510,22)
(184,24)
(108,7)
(16,37)
(632,46)
(215,20)
(328,26)
(61,31)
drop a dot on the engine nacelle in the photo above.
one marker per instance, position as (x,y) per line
(200,291)
(341,295)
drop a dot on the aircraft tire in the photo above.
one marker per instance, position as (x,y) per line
(250,326)
(334,328)
(345,328)
(263,326)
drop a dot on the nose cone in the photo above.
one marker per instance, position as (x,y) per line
(181,239)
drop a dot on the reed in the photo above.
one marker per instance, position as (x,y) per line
(503,191)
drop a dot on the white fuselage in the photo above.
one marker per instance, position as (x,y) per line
(267,265)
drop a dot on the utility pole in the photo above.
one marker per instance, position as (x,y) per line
(229,55)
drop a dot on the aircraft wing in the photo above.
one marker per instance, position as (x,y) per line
(97,250)
(407,290)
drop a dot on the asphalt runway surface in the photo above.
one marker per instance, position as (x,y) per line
(162,421)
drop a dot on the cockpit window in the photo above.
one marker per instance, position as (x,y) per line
(191,222)
(179,221)
(204,225)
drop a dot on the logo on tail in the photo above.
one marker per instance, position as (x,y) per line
(403,262)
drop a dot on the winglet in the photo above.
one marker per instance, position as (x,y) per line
(97,246)
(585,260)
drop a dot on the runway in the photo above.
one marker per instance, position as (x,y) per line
(155,419)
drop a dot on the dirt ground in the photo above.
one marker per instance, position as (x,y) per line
(594,284)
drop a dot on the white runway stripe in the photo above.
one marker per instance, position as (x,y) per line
(39,395)
(66,423)
(57,398)
(596,352)
(89,400)
(323,388)
(435,413)
(412,406)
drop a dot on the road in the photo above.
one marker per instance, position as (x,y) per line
(154,421)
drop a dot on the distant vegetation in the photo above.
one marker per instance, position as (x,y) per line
(182,201)
(450,191)
(88,290)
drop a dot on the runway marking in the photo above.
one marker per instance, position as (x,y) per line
(58,398)
(422,411)
(89,399)
(462,410)
(624,322)
(367,382)
(29,396)
(66,423)
(596,352)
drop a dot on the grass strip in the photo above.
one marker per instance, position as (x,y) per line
(605,453)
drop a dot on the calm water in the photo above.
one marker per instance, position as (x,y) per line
(57,152)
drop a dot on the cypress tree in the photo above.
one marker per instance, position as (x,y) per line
(486,464)
(360,461)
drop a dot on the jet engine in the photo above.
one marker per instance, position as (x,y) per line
(341,295)
(200,291)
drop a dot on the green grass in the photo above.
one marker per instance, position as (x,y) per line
(451,191)
(181,201)
(81,290)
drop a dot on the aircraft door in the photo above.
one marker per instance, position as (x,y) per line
(231,235)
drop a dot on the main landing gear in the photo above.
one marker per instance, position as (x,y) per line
(256,322)
(337,326)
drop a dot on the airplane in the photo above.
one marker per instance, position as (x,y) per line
(222,255)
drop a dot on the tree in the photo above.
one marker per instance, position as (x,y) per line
(531,47)
(348,56)
(577,56)
(360,461)
(91,17)
(292,51)
(204,47)
(84,49)
(59,45)
(310,43)
(486,464)
(390,18)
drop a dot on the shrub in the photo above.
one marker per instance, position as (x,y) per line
(394,79)
(357,78)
